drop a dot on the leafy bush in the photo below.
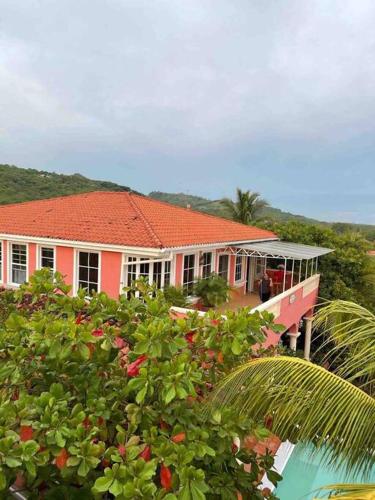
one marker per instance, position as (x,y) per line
(175,296)
(104,397)
(213,290)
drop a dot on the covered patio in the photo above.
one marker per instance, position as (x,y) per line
(299,262)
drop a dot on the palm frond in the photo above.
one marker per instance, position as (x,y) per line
(348,491)
(351,328)
(308,404)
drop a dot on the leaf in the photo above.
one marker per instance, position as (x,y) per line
(3,480)
(103,483)
(273,476)
(116,488)
(171,394)
(84,351)
(236,346)
(60,441)
(12,462)
(141,395)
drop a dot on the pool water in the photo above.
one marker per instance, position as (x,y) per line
(304,473)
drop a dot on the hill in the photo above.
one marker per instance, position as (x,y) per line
(271,213)
(26,184)
(216,208)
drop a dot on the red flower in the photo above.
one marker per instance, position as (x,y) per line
(105,462)
(178,438)
(189,337)
(163,425)
(26,432)
(146,454)
(79,319)
(119,342)
(133,368)
(86,423)
(61,459)
(100,421)
(215,322)
(220,357)
(122,450)
(211,353)
(98,332)
(165,477)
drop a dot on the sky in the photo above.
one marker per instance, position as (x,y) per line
(197,96)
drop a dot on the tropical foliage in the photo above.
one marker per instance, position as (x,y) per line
(213,290)
(246,208)
(21,184)
(311,404)
(103,397)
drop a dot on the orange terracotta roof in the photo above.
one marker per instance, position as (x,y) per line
(371,253)
(121,218)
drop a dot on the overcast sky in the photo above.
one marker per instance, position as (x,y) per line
(197,96)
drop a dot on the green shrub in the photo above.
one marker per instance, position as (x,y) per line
(213,290)
(103,398)
(175,296)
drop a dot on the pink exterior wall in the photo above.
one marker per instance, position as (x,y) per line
(178,272)
(65,263)
(291,314)
(111,273)
(31,259)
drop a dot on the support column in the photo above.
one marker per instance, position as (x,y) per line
(308,328)
(293,336)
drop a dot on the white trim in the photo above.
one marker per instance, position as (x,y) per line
(39,256)
(9,263)
(152,251)
(76,272)
(85,245)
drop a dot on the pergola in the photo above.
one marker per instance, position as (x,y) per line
(284,251)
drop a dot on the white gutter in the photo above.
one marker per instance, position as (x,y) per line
(86,245)
(220,245)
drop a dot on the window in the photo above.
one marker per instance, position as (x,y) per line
(158,272)
(1,260)
(223,266)
(206,264)
(18,263)
(167,273)
(88,271)
(238,269)
(188,275)
(47,258)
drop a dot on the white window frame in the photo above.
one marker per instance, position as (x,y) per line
(202,266)
(241,259)
(10,262)
(39,256)
(218,265)
(195,268)
(76,267)
(147,260)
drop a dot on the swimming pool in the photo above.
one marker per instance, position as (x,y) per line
(303,474)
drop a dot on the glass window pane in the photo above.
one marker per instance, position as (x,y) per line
(83,259)
(94,260)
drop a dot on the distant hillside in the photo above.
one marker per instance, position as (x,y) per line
(21,184)
(216,208)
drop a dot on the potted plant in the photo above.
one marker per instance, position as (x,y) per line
(213,290)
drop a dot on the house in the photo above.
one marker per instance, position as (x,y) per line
(103,241)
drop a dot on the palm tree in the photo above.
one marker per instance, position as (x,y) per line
(309,404)
(246,208)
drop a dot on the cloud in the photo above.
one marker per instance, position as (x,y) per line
(132,80)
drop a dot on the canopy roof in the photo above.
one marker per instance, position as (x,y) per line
(281,249)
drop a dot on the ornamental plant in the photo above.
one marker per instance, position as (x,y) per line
(213,290)
(103,398)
